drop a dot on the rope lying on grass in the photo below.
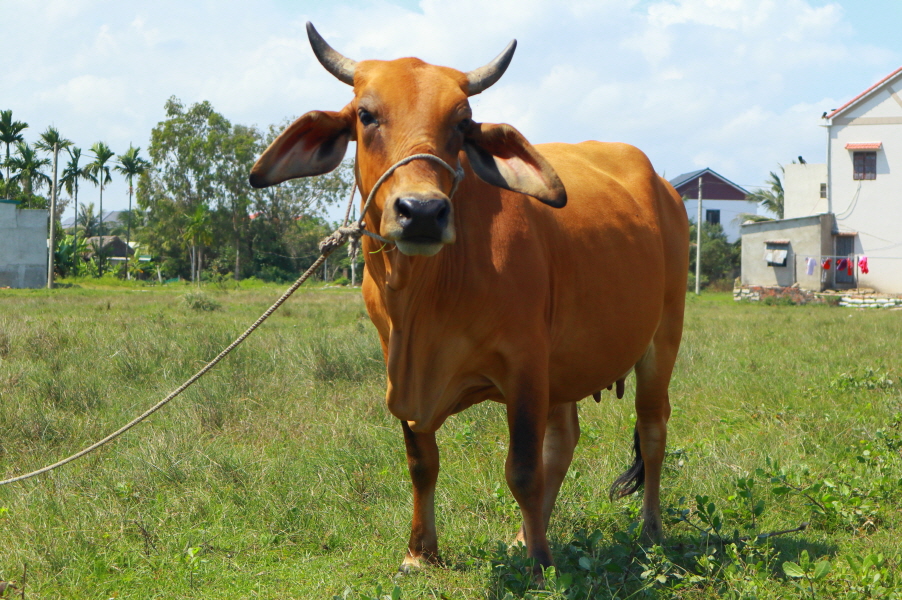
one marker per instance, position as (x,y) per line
(327,246)
(331,243)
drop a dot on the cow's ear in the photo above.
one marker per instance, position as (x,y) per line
(500,155)
(312,145)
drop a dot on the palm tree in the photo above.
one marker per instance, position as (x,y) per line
(771,199)
(28,167)
(10,133)
(71,174)
(51,138)
(130,164)
(100,176)
(52,142)
(88,220)
(198,234)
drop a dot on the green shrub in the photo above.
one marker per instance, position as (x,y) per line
(200,301)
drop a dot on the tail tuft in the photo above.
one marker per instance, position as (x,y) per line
(633,478)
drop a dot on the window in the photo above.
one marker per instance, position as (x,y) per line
(823,190)
(776,252)
(712,216)
(864,165)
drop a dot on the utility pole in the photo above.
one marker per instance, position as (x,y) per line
(698,241)
(353,249)
(51,246)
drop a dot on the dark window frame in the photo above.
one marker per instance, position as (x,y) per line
(712,215)
(777,246)
(864,165)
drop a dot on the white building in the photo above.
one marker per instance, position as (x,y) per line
(722,200)
(859,190)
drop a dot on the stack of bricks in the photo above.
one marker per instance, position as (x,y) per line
(757,293)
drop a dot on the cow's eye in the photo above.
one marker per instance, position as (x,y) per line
(366,117)
(464,125)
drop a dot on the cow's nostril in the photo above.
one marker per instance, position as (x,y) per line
(404,209)
(442,216)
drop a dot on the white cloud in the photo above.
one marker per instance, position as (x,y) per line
(89,95)
(736,85)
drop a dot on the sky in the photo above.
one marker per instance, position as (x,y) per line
(735,85)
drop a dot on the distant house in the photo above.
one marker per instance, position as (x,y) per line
(853,203)
(23,246)
(110,219)
(722,200)
(113,247)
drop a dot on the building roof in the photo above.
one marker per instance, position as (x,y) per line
(864,94)
(110,243)
(109,216)
(685,178)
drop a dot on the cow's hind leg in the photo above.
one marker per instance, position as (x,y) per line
(423,464)
(561,436)
(650,438)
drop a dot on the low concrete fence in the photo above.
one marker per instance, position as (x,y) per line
(871,301)
(796,295)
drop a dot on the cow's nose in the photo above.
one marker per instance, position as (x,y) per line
(422,219)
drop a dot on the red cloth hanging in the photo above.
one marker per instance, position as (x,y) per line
(842,264)
(863,265)
(826,265)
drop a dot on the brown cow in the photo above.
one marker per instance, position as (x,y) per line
(490,294)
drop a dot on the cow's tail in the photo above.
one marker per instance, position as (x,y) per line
(633,478)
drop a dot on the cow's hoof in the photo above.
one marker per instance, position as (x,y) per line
(415,564)
(652,532)
(519,539)
(538,577)
(411,565)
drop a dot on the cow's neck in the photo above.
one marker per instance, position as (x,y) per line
(409,283)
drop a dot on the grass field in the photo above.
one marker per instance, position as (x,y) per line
(282,474)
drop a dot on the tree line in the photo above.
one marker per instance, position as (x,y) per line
(192,214)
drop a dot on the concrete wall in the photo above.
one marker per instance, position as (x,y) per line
(802,190)
(808,236)
(23,246)
(871,208)
(729,213)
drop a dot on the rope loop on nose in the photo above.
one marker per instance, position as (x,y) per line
(457,173)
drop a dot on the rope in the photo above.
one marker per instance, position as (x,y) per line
(326,247)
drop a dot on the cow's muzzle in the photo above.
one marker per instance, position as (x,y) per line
(417,223)
(423,225)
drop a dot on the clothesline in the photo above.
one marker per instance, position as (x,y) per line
(823,256)
(845,263)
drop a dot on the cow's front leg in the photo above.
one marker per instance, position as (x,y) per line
(561,437)
(526,418)
(422,462)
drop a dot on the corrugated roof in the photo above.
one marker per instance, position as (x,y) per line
(110,217)
(687,177)
(681,179)
(861,96)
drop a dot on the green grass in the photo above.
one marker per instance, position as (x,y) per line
(281,474)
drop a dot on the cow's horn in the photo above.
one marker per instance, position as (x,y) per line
(340,66)
(483,78)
